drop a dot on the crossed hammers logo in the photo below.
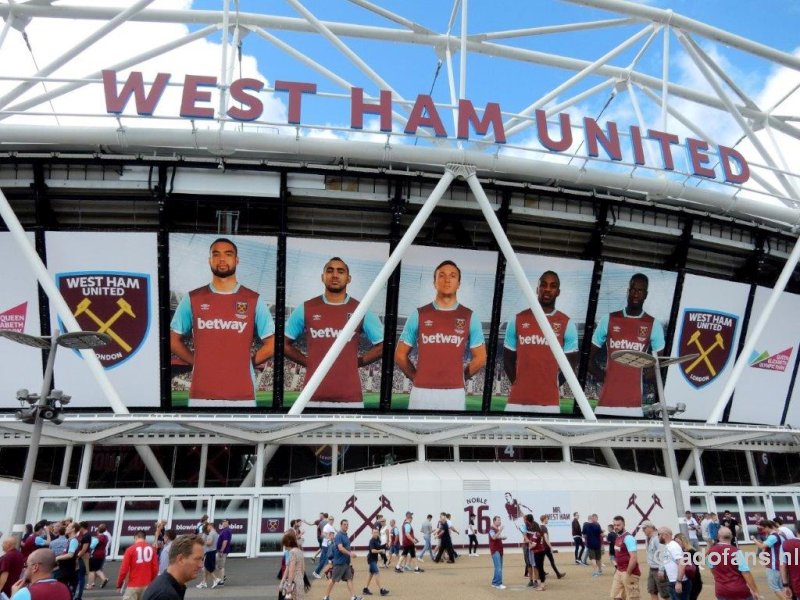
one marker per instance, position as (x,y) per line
(704,352)
(367,519)
(105,326)
(645,515)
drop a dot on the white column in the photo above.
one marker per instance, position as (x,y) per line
(456,453)
(334,459)
(259,467)
(566,453)
(421,452)
(201,474)
(65,467)
(751,467)
(698,466)
(611,459)
(86,466)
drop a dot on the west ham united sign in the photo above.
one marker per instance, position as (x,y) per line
(710,334)
(110,302)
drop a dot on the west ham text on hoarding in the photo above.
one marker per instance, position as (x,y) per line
(196,96)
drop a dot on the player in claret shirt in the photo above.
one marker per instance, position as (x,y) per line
(628,329)
(527,358)
(321,319)
(441,331)
(223,317)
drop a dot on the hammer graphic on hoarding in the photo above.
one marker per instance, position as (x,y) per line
(704,352)
(83,307)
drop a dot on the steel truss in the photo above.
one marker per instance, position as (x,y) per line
(772,199)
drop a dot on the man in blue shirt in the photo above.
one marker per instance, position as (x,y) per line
(342,556)
(593,536)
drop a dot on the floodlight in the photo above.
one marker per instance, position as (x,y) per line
(35,341)
(22,395)
(83,340)
(27,415)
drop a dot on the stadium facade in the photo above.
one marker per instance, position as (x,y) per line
(111,206)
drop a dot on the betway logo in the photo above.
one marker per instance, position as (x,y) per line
(627,345)
(533,340)
(441,338)
(237,326)
(327,332)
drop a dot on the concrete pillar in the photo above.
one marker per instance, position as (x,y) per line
(65,467)
(456,453)
(201,474)
(421,452)
(334,459)
(259,466)
(611,458)
(566,452)
(751,468)
(698,466)
(86,466)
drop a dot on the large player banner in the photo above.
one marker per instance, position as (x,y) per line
(709,324)
(437,342)
(325,281)
(562,286)
(760,395)
(21,367)
(109,281)
(222,332)
(633,311)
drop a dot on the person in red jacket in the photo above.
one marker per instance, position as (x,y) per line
(140,566)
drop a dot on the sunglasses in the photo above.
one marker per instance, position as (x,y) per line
(26,565)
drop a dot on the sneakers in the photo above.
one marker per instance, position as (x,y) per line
(216,583)
(326,598)
(366,592)
(499,587)
(577,562)
(201,586)
(384,592)
(398,570)
(596,573)
(418,570)
(317,575)
(561,575)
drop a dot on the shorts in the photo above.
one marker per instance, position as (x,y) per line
(395,549)
(96,564)
(774,580)
(135,593)
(433,399)
(373,567)
(656,585)
(410,551)
(342,573)
(595,553)
(625,586)
(210,561)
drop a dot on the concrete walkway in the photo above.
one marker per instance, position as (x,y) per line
(467,579)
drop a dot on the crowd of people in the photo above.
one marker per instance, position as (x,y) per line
(60,560)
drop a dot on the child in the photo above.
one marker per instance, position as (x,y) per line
(375,549)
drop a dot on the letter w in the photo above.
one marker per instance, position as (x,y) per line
(145,103)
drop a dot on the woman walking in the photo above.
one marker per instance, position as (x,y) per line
(473,537)
(292,582)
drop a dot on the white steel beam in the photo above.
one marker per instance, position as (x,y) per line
(65,466)
(441,436)
(515,124)
(86,466)
(120,66)
(468,173)
(67,56)
(397,432)
(391,16)
(549,29)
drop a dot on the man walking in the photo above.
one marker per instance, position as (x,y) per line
(693,526)
(342,558)
(593,538)
(39,582)
(185,563)
(680,586)
(210,559)
(732,576)
(11,565)
(496,538)
(577,539)
(626,575)
(139,566)
(223,549)
(427,532)
(656,580)
(409,547)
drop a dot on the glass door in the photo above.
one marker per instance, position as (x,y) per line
(272,524)
(185,513)
(783,507)
(95,512)
(755,510)
(138,515)
(237,512)
(730,503)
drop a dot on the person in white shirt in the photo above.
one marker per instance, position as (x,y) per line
(694,527)
(786,531)
(326,553)
(674,566)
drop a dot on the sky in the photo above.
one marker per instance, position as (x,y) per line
(412,69)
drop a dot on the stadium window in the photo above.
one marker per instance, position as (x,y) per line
(725,467)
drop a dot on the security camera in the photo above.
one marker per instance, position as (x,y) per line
(22,395)
(32,399)
(26,415)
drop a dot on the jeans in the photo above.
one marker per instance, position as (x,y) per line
(579,546)
(81,579)
(323,560)
(686,590)
(497,561)
(427,547)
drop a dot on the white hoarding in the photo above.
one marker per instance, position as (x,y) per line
(110,281)
(760,395)
(709,324)
(20,367)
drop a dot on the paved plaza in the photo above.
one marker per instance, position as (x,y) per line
(467,579)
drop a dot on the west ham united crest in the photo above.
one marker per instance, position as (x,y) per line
(710,334)
(110,302)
